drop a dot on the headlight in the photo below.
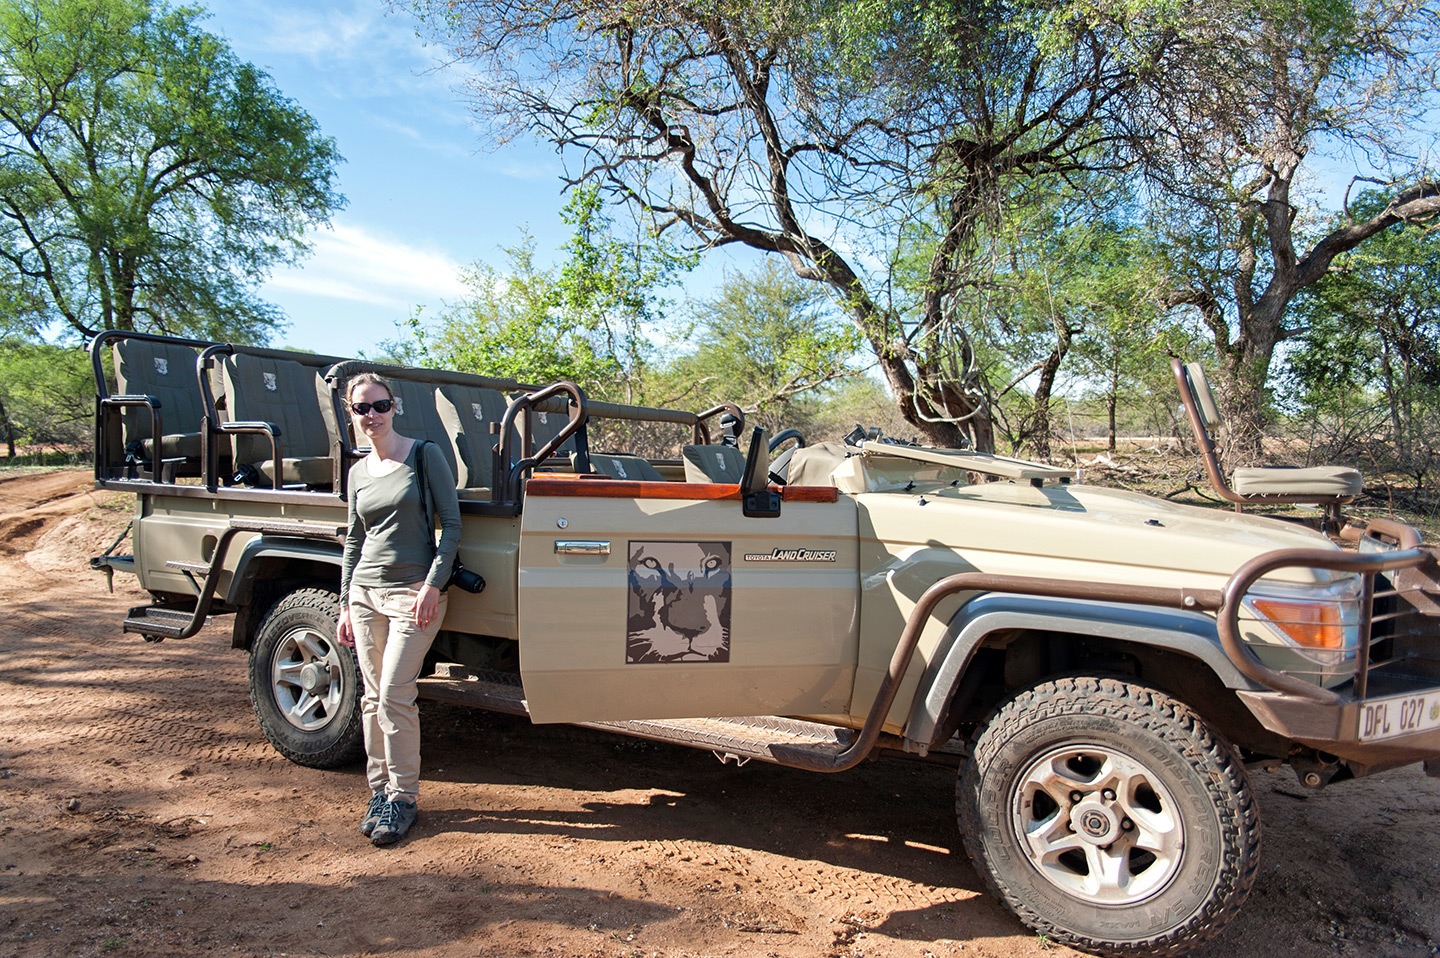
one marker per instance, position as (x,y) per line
(1321,622)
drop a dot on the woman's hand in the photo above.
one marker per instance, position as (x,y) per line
(427,605)
(344,631)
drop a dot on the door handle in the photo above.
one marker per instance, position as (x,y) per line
(582,547)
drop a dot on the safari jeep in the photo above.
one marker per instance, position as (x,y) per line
(1102,667)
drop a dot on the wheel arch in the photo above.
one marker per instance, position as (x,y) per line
(998,643)
(271,566)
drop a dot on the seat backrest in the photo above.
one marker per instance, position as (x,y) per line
(1204,396)
(713,463)
(622,466)
(467,412)
(165,371)
(279,391)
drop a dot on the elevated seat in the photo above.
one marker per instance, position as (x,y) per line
(467,413)
(289,395)
(1326,486)
(1321,482)
(165,372)
(423,412)
(713,463)
(453,410)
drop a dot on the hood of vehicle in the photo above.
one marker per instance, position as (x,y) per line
(1079,532)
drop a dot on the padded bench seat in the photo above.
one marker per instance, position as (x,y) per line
(289,395)
(1337,481)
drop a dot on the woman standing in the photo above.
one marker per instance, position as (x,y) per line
(391,599)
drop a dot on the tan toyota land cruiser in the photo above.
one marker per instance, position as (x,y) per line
(1101,666)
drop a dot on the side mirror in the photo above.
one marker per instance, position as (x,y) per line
(756,499)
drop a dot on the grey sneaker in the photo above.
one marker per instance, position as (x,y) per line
(395,820)
(372,813)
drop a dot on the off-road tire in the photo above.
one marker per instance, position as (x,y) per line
(300,628)
(1189,773)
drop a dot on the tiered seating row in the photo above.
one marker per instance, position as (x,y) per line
(260,405)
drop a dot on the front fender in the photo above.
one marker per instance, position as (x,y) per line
(1176,630)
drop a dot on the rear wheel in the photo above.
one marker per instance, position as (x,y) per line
(304,685)
(1110,817)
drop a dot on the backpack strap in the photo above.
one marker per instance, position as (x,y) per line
(419,470)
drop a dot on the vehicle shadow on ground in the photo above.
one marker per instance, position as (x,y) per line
(366,915)
(891,820)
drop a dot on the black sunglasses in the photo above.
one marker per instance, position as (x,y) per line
(381,406)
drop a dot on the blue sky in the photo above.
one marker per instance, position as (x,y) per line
(426,196)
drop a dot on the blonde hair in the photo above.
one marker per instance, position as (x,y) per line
(367,379)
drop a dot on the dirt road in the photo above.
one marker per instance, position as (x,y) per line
(142,813)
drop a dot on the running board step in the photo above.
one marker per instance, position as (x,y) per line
(768,738)
(495,691)
(156,622)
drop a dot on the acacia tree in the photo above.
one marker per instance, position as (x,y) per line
(1260,92)
(149,179)
(773,126)
(45,394)
(1372,331)
(767,341)
(589,320)
(1080,295)
(508,325)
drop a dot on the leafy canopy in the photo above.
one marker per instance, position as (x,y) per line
(149,178)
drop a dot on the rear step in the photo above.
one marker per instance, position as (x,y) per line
(156,622)
(766,737)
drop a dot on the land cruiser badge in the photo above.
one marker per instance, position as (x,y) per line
(679,602)
(792,555)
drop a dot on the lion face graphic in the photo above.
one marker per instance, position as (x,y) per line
(679,602)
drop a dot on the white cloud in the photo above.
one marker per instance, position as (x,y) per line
(332,33)
(532,168)
(361,50)
(358,265)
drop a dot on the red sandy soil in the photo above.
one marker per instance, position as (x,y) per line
(142,813)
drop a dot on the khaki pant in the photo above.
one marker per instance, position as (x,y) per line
(391,649)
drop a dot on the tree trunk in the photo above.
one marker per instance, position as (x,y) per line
(9,431)
(1112,399)
(1245,360)
(1039,426)
(1245,368)
(973,427)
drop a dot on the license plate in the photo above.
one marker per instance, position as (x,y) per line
(1399,715)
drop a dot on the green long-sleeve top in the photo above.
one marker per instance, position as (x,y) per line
(388,543)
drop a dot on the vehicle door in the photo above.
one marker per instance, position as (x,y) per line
(663,600)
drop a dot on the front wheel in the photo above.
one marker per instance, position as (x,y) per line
(1108,816)
(304,685)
